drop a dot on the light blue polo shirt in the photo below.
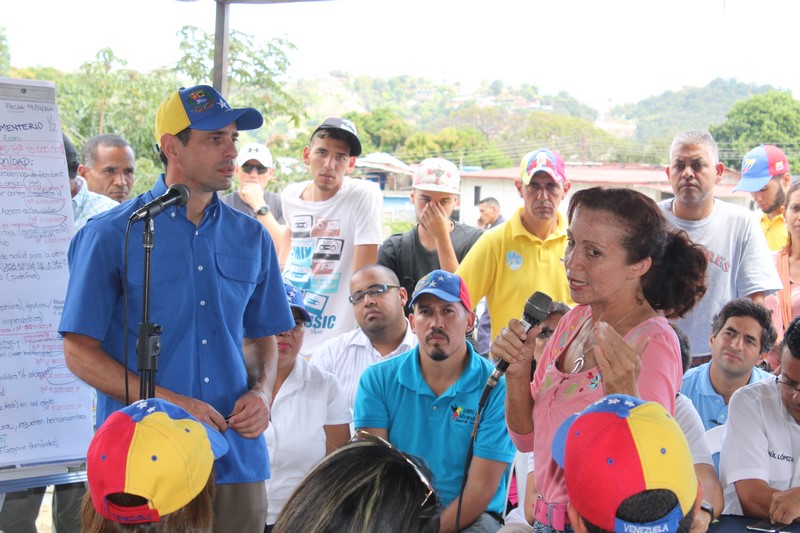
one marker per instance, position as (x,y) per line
(711,406)
(393,395)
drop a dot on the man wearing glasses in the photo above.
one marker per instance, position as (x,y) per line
(383,330)
(425,403)
(254,171)
(758,464)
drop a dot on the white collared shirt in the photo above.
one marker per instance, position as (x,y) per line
(349,354)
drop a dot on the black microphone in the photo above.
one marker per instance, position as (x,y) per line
(176,195)
(537,307)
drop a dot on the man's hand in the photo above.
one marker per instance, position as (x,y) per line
(200,410)
(253,195)
(700,522)
(251,412)
(435,220)
(785,507)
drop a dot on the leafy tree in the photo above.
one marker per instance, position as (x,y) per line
(256,71)
(496,87)
(5,54)
(382,130)
(768,118)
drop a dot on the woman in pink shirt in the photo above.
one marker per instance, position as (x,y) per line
(626,271)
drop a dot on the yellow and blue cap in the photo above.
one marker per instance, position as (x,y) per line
(621,446)
(201,108)
(155,450)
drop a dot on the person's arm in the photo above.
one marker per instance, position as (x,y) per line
(757,297)
(755,495)
(484,475)
(336,435)
(364,254)
(250,415)
(285,247)
(531,493)
(712,493)
(437,223)
(253,195)
(86,359)
(516,347)
(785,507)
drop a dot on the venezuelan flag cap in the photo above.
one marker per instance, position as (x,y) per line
(155,450)
(621,446)
(201,108)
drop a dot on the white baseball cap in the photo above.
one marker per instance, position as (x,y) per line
(256,151)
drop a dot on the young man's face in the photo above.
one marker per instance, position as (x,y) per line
(329,161)
(772,196)
(421,199)
(736,349)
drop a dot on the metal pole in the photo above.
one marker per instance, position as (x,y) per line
(221,48)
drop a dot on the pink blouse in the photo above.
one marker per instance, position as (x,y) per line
(557,395)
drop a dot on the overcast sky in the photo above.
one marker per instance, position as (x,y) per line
(602,52)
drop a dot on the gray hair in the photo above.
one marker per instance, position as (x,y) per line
(696,137)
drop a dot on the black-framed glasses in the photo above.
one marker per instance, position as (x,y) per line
(366,436)
(248,168)
(793,387)
(546,333)
(373,291)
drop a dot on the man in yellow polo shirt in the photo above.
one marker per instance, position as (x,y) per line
(765,175)
(523,255)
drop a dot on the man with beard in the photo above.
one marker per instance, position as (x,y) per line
(765,175)
(425,403)
(383,330)
(739,260)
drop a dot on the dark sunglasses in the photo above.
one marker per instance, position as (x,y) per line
(248,168)
(366,436)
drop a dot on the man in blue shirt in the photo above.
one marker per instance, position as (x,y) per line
(425,402)
(209,291)
(741,335)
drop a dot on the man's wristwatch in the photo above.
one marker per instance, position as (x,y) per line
(707,507)
(262,211)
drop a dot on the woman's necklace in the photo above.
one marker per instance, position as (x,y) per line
(581,360)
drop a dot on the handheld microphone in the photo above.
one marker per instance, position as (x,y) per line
(176,195)
(537,307)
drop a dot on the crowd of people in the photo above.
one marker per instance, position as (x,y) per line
(316,377)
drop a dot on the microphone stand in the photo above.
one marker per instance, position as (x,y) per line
(148,344)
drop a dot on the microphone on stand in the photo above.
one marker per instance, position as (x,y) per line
(176,195)
(537,307)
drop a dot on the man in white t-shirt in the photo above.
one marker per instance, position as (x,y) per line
(739,261)
(760,448)
(383,331)
(333,229)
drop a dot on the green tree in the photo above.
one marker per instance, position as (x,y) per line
(5,54)
(768,118)
(256,71)
(382,130)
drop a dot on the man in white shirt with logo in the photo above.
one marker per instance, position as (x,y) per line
(758,459)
